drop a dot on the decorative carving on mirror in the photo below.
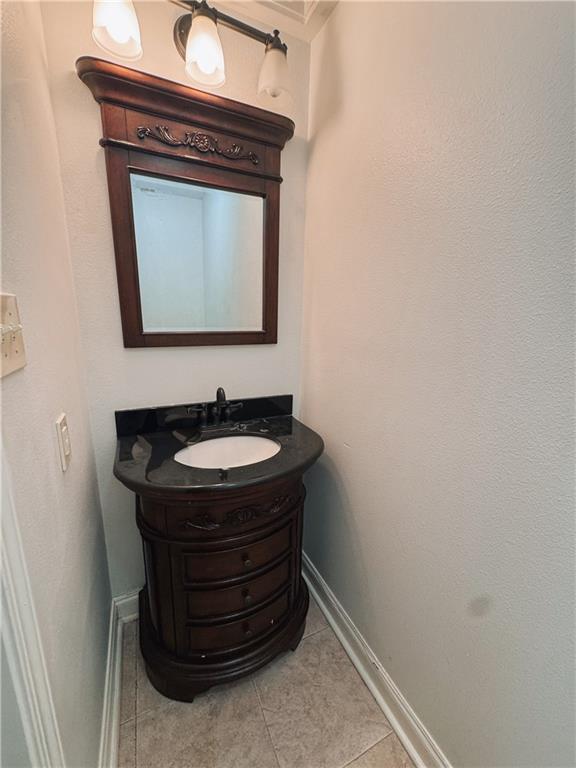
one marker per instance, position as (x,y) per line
(194,185)
(203,142)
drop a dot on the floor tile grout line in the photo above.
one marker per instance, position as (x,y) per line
(367,750)
(126,720)
(154,707)
(134,662)
(159,707)
(129,720)
(311,634)
(135,742)
(128,644)
(136,651)
(265,722)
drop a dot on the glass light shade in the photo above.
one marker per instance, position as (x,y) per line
(116,28)
(204,55)
(274,80)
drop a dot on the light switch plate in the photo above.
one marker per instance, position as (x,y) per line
(13,355)
(64,444)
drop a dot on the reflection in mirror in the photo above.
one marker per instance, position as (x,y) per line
(200,256)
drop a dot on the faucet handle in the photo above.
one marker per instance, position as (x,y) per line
(221,396)
(186,413)
(230,408)
(202,410)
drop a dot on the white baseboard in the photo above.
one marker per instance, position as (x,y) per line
(127,606)
(108,757)
(410,730)
(122,610)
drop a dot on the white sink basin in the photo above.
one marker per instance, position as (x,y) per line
(226,452)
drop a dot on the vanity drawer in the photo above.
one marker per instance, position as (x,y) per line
(232,563)
(198,521)
(231,634)
(215,602)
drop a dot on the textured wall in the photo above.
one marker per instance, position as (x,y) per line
(438,340)
(125,378)
(13,747)
(59,514)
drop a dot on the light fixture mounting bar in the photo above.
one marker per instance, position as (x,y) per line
(182,26)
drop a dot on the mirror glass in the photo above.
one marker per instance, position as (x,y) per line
(200,256)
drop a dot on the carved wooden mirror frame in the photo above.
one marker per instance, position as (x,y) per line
(157,127)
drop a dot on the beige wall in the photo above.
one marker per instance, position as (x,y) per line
(59,514)
(438,360)
(127,378)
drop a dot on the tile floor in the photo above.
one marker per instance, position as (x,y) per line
(308,709)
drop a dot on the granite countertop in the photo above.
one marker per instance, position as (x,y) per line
(145,461)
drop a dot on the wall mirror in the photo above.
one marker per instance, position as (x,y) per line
(194,184)
(199,254)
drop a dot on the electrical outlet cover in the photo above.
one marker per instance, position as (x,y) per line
(13,354)
(64,444)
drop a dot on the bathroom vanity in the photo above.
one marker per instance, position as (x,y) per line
(222,545)
(194,185)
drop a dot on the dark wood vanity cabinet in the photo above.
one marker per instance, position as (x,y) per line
(223,593)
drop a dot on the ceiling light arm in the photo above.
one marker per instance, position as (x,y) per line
(182,26)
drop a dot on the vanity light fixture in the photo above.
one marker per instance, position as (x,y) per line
(204,56)
(197,41)
(115,28)
(274,79)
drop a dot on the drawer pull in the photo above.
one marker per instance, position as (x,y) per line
(246,560)
(202,522)
(247,630)
(248,599)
